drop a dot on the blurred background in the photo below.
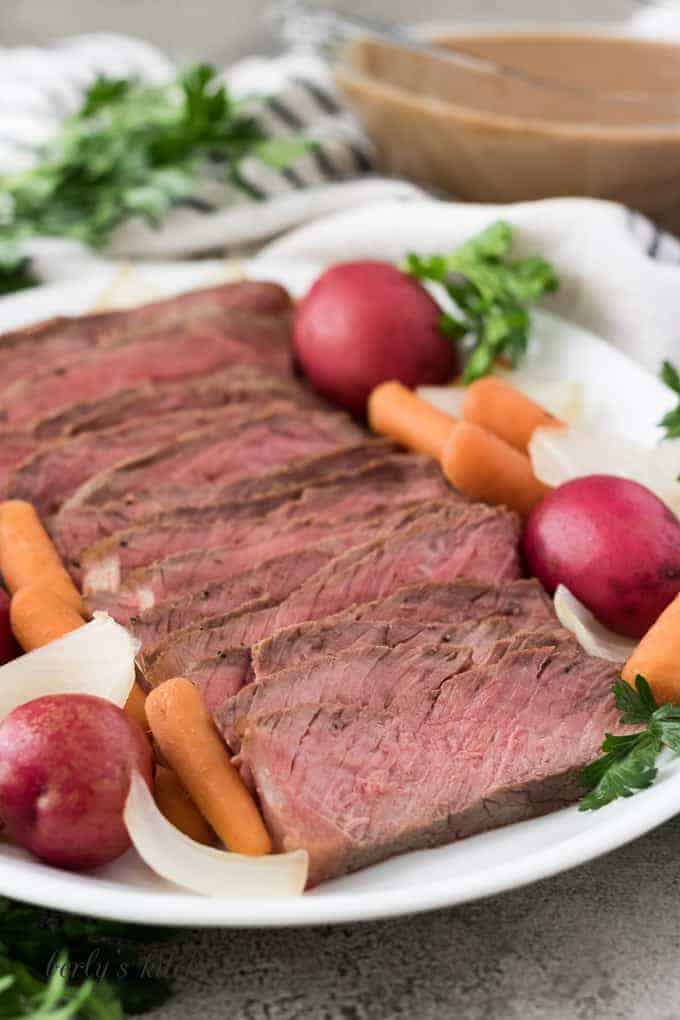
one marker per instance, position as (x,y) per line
(220,30)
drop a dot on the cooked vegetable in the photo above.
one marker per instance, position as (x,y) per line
(363,323)
(503,410)
(613,544)
(38,617)
(27,555)
(132,150)
(203,869)
(562,399)
(485,467)
(657,657)
(98,658)
(671,421)
(628,763)
(190,744)
(396,412)
(591,635)
(492,294)
(65,767)
(135,706)
(559,455)
(9,648)
(175,803)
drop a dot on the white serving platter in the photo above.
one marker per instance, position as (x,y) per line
(623,398)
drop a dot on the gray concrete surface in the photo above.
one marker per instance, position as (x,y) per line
(599,943)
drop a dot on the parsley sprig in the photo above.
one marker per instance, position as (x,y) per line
(628,763)
(54,967)
(492,292)
(671,421)
(131,150)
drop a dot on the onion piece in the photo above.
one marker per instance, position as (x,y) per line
(202,869)
(97,658)
(558,455)
(591,635)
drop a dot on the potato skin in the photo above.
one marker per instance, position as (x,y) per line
(364,323)
(65,765)
(613,543)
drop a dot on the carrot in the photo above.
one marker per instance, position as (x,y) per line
(396,412)
(135,706)
(485,467)
(179,809)
(28,556)
(657,656)
(503,410)
(192,747)
(38,616)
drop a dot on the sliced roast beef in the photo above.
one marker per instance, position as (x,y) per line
(376,675)
(57,340)
(60,467)
(179,591)
(80,525)
(15,447)
(394,619)
(474,542)
(235,385)
(264,527)
(167,356)
(488,746)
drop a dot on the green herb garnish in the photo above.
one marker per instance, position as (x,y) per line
(132,150)
(492,292)
(53,967)
(628,763)
(671,421)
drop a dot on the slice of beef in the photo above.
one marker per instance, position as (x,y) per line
(271,580)
(15,447)
(523,603)
(59,339)
(475,542)
(378,675)
(236,385)
(60,467)
(264,527)
(487,747)
(80,525)
(164,597)
(172,355)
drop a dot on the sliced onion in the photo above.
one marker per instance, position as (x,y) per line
(98,658)
(202,869)
(563,399)
(590,634)
(558,455)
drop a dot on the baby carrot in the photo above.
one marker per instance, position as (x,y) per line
(135,706)
(192,747)
(503,410)
(485,467)
(38,616)
(28,556)
(396,412)
(179,809)
(657,656)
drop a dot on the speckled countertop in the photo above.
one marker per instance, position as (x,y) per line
(598,943)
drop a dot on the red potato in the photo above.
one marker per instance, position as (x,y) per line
(65,766)
(364,323)
(9,649)
(613,543)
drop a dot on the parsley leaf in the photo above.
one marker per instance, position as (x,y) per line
(131,150)
(671,421)
(492,293)
(628,762)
